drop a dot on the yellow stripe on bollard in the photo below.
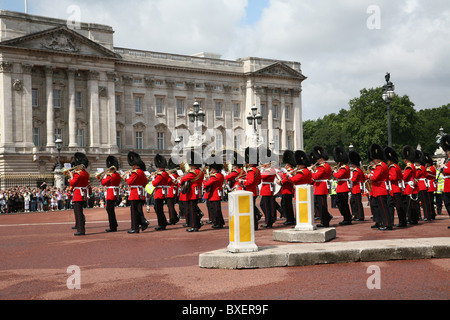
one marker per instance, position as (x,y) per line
(241,222)
(305,208)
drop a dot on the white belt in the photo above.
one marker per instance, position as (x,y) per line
(140,189)
(115,189)
(427,183)
(82,189)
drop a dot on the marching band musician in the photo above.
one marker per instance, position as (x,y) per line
(137,181)
(357,178)
(252,179)
(213,194)
(302,174)
(195,178)
(267,188)
(379,176)
(79,185)
(111,181)
(342,176)
(321,178)
(287,187)
(431,177)
(172,192)
(395,187)
(160,182)
(236,173)
(410,193)
(445,169)
(422,184)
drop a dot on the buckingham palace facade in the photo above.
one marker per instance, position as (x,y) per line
(74,84)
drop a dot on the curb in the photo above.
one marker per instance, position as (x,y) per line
(328,253)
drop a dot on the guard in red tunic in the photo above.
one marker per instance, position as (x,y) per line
(287,187)
(112,181)
(172,192)
(252,179)
(342,175)
(137,180)
(79,185)
(445,170)
(160,182)
(410,193)
(213,194)
(321,177)
(379,177)
(422,185)
(357,179)
(195,178)
(236,173)
(432,186)
(395,183)
(267,192)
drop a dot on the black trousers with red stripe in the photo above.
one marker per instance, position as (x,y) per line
(173,215)
(357,206)
(193,214)
(395,202)
(321,208)
(80,220)
(110,209)
(137,214)
(215,211)
(159,209)
(381,212)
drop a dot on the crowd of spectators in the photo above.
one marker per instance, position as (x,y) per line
(49,198)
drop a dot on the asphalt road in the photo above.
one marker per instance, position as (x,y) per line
(37,251)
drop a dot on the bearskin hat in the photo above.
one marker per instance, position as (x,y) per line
(391,154)
(80,159)
(408,153)
(289,158)
(445,142)
(375,152)
(251,156)
(301,158)
(160,161)
(428,158)
(134,159)
(419,157)
(112,161)
(194,158)
(340,155)
(320,152)
(354,158)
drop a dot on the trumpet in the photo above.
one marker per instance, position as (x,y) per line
(76,168)
(100,175)
(123,176)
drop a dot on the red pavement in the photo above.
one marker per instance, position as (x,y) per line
(37,248)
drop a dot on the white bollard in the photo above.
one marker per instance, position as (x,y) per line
(304,206)
(241,222)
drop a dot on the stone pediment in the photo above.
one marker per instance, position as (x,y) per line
(61,40)
(280,69)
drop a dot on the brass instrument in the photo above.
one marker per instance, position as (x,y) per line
(368,183)
(76,168)
(100,175)
(123,176)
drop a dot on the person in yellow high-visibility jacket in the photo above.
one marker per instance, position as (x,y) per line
(439,193)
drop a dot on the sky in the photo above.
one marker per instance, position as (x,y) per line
(343,46)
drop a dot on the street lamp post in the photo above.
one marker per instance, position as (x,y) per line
(253,119)
(196,115)
(59,177)
(388,95)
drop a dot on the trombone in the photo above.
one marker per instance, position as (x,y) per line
(76,168)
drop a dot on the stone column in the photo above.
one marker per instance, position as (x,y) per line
(6,133)
(269,115)
(27,106)
(72,109)
(298,123)
(50,111)
(94,116)
(112,121)
(283,122)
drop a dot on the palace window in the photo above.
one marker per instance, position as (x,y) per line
(57,98)
(139,140)
(160,141)
(35,97)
